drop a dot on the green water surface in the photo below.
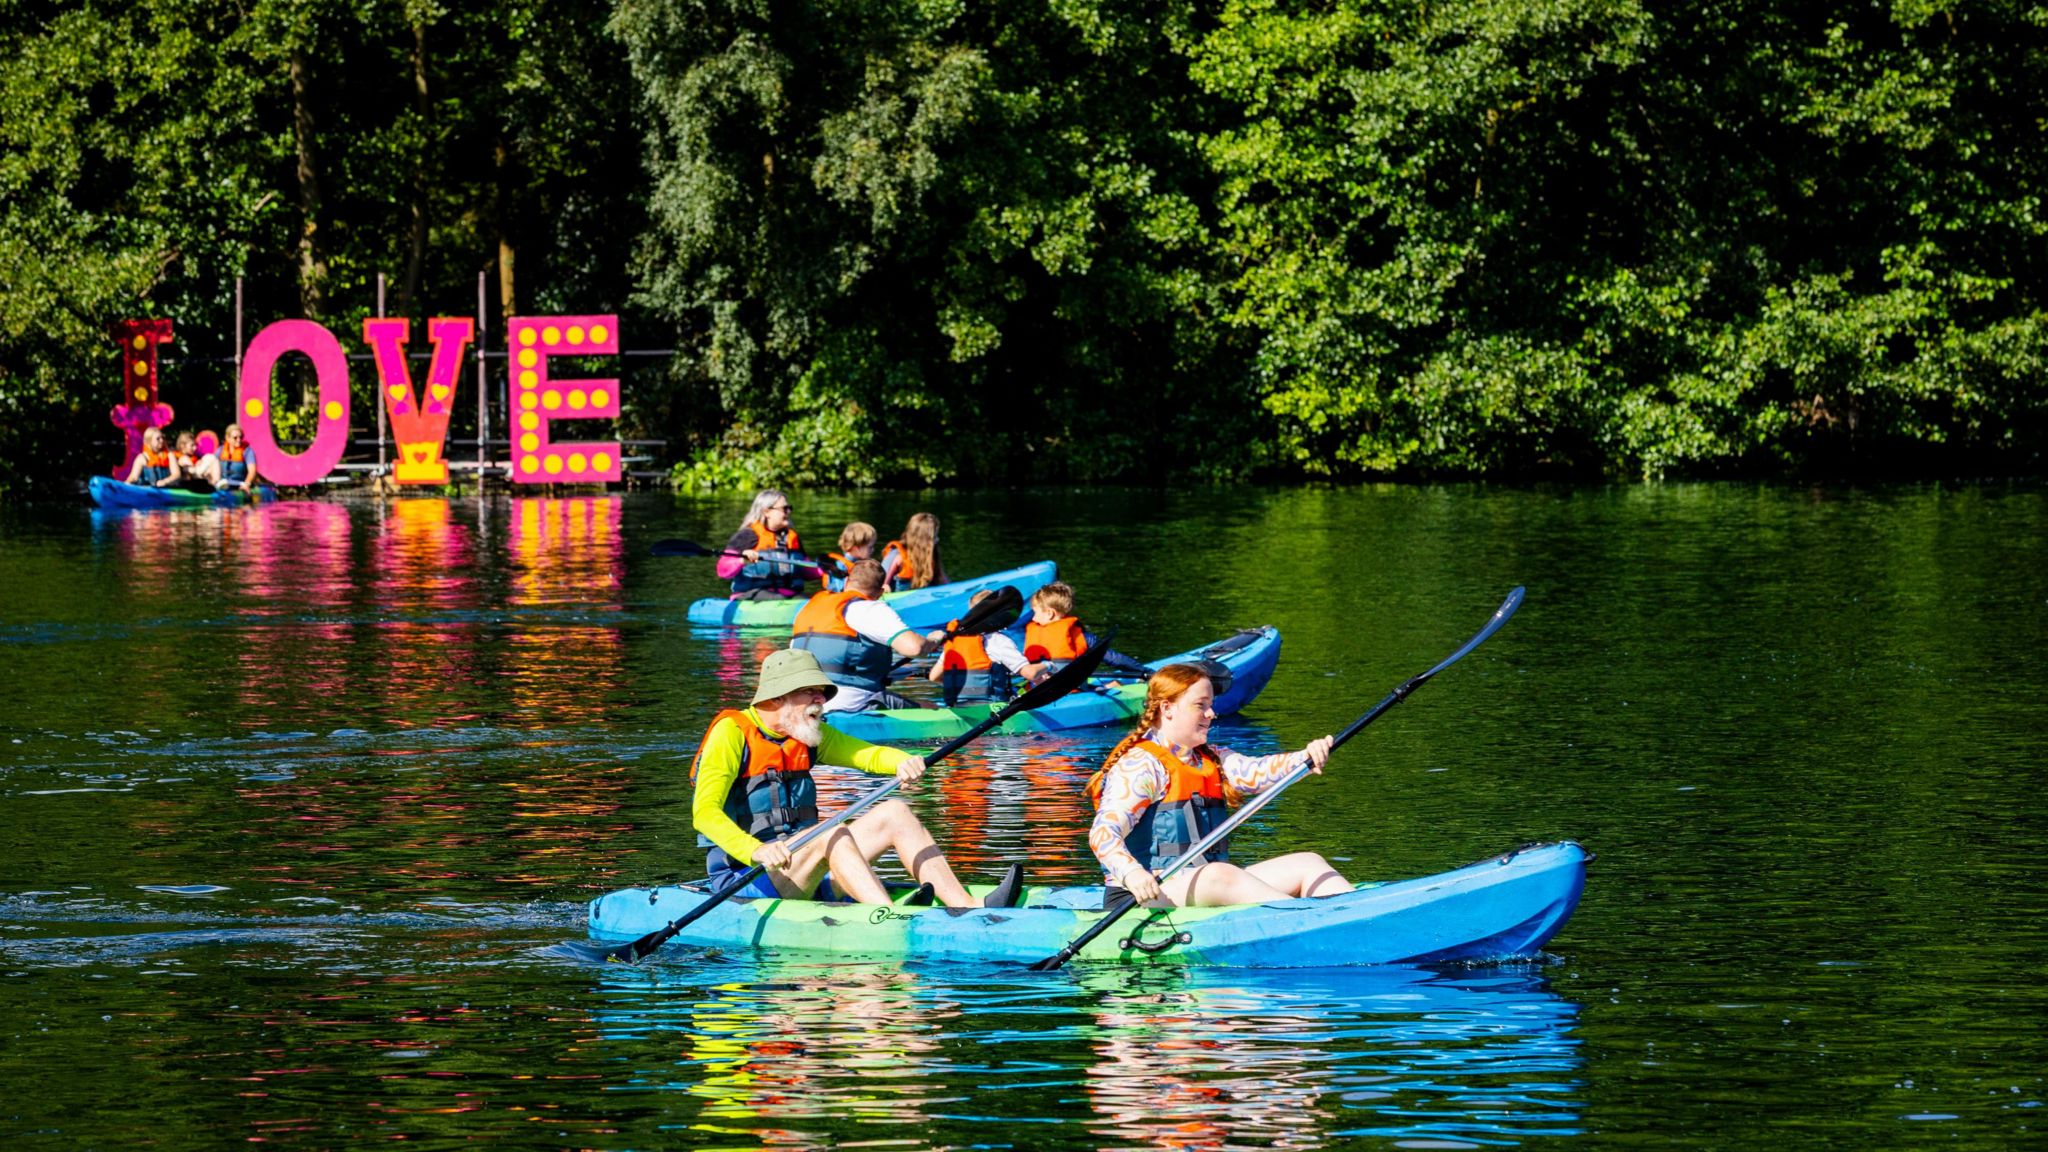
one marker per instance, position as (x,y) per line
(298,799)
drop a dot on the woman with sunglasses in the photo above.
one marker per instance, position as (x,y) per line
(766,560)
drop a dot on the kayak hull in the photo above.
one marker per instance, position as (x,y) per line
(1504,906)
(108,492)
(921,608)
(1250,655)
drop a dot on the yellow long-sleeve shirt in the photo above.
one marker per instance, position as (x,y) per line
(718,767)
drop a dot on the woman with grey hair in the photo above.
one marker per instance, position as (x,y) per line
(768,561)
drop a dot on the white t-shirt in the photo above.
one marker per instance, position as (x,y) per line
(875,621)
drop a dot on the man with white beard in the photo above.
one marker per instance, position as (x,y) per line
(752,780)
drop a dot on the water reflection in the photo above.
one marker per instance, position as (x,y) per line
(426,564)
(789,1055)
(566,557)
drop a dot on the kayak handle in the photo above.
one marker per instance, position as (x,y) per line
(1155,947)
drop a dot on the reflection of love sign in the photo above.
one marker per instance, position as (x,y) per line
(419,417)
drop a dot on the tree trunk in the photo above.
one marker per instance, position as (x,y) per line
(417,256)
(312,265)
(508,306)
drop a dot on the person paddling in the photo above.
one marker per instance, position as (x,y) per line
(769,564)
(753,786)
(912,560)
(1165,787)
(856,639)
(976,669)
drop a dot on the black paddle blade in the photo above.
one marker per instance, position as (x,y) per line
(1065,680)
(993,614)
(680,548)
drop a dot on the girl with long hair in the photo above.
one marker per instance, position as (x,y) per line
(1164,787)
(912,561)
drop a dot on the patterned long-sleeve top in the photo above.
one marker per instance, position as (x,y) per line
(1138,780)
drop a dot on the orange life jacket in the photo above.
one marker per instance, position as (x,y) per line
(906,568)
(1193,806)
(234,464)
(156,466)
(848,658)
(1058,642)
(772,571)
(967,675)
(774,794)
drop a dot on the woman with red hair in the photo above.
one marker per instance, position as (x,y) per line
(1165,787)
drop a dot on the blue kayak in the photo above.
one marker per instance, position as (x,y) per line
(108,492)
(1504,906)
(921,608)
(1251,656)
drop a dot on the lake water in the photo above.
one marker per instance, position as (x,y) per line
(299,800)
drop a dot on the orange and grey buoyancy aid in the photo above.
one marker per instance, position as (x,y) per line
(906,568)
(1055,643)
(777,568)
(156,466)
(774,794)
(1193,806)
(967,675)
(848,658)
(234,462)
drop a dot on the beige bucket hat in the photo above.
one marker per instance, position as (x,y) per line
(788,669)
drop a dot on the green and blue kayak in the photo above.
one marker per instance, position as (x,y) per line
(108,492)
(1251,656)
(921,608)
(1504,906)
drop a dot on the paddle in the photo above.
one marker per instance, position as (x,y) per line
(981,618)
(678,547)
(1215,837)
(1051,689)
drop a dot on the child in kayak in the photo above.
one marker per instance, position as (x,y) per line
(1165,787)
(856,543)
(912,561)
(977,669)
(769,563)
(156,466)
(856,639)
(1054,636)
(752,787)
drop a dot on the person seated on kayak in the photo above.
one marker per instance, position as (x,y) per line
(1053,636)
(856,639)
(1165,787)
(752,787)
(976,669)
(156,466)
(769,564)
(232,465)
(912,561)
(856,542)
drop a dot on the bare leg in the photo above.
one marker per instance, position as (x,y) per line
(1210,885)
(892,825)
(1301,874)
(838,852)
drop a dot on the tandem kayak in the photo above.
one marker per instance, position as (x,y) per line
(1503,906)
(108,492)
(1250,655)
(921,608)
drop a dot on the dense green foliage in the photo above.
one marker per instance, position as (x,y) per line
(918,240)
